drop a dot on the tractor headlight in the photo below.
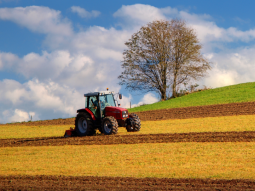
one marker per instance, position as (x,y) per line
(124,114)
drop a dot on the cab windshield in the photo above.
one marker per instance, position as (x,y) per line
(107,100)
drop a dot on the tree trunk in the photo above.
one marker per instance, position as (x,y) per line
(163,95)
(163,92)
(174,84)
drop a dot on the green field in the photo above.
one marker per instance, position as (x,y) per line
(229,94)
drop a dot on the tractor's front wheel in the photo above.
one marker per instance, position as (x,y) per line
(84,125)
(109,125)
(135,124)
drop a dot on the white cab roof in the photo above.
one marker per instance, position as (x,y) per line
(98,93)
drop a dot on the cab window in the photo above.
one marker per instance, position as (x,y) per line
(93,106)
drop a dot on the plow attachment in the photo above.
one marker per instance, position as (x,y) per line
(70,133)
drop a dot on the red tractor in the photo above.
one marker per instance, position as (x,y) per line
(101,113)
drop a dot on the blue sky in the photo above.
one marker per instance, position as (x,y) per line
(52,52)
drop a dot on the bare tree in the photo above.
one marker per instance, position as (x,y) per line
(161,56)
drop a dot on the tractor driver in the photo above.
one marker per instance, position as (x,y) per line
(103,103)
(93,106)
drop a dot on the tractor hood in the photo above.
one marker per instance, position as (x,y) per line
(117,112)
(114,109)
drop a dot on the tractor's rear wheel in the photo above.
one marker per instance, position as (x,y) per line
(109,125)
(84,125)
(136,123)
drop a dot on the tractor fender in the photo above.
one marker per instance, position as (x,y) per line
(88,111)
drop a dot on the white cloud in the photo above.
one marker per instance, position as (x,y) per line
(42,100)
(38,19)
(231,67)
(73,70)
(134,16)
(212,35)
(219,78)
(138,14)
(148,98)
(45,66)
(125,101)
(91,40)
(7,59)
(83,13)
(90,60)
(19,115)
(10,91)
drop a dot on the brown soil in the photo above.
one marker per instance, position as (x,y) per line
(248,136)
(68,121)
(246,108)
(119,183)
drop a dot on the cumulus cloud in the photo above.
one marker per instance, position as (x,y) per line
(38,19)
(138,14)
(91,40)
(83,13)
(73,70)
(148,98)
(42,100)
(220,77)
(7,59)
(90,60)
(133,16)
(211,35)
(45,66)
(231,67)
(125,101)
(20,115)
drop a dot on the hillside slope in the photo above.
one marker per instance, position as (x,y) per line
(229,94)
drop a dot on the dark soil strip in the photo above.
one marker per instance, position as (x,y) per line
(247,136)
(67,121)
(119,183)
(247,108)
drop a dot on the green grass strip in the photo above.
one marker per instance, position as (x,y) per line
(229,94)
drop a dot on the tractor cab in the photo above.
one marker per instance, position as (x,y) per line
(97,102)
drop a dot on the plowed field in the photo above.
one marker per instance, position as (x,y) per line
(248,136)
(119,183)
(246,108)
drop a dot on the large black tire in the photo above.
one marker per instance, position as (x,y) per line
(84,125)
(109,125)
(136,123)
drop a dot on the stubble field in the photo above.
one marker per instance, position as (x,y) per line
(188,153)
